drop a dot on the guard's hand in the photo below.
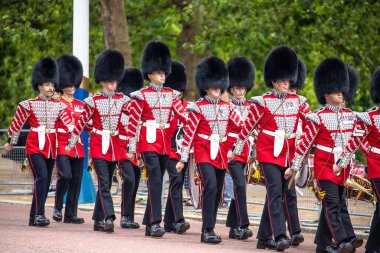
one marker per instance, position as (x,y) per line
(336,170)
(288,173)
(230,156)
(251,160)
(180,165)
(131,156)
(8,147)
(67,149)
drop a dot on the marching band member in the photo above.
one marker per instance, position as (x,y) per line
(104,109)
(154,106)
(42,114)
(210,119)
(330,128)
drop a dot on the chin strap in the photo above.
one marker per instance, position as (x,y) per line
(336,100)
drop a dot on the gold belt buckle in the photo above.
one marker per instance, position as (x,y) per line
(162,125)
(287,135)
(47,130)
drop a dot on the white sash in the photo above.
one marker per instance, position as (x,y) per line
(279,138)
(150,131)
(41,131)
(214,146)
(106,139)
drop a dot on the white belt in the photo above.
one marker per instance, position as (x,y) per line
(324,148)
(123,137)
(207,137)
(61,130)
(47,130)
(159,126)
(287,135)
(375,150)
(233,135)
(100,132)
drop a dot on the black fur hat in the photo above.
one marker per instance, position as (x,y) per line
(109,66)
(45,70)
(70,71)
(354,78)
(241,73)
(301,76)
(211,72)
(132,81)
(375,86)
(156,57)
(177,78)
(281,63)
(331,76)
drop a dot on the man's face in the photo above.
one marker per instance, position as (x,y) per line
(69,91)
(281,85)
(157,77)
(213,92)
(238,92)
(109,86)
(335,98)
(47,89)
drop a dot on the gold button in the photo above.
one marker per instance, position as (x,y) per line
(162,125)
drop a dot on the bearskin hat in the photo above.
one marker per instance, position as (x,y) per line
(132,81)
(156,57)
(211,72)
(331,76)
(45,70)
(301,76)
(109,66)
(177,78)
(241,73)
(375,86)
(70,71)
(281,63)
(354,78)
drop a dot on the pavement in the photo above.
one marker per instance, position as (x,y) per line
(17,236)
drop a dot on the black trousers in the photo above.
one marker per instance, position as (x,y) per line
(104,204)
(237,214)
(42,170)
(273,217)
(373,242)
(70,171)
(155,165)
(291,209)
(334,222)
(131,179)
(174,205)
(213,182)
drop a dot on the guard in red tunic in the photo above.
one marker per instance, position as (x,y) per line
(43,114)
(104,109)
(329,129)
(174,220)
(130,172)
(275,116)
(153,108)
(369,122)
(210,120)
(69,165)
(241,73)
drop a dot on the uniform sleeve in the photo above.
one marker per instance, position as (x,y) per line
(21,116)
(135,110)
(85,117)
(180,110)
(190,130)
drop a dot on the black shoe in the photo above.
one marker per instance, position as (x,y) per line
(245,233)
(156,230)
(31,221)
(74,220)
(127,222)
(296,240)
(344,247)
(356,242)
(282,244)
(147,230)
(108,225)
(234,233)
(325,249)
(266,244)
(179,227)
(57,214)
(209,236)
(41,220)
(99,226)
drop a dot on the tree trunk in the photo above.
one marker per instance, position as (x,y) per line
(116,27)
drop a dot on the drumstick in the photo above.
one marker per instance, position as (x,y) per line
(291,180)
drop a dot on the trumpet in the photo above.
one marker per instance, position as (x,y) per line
(360,185)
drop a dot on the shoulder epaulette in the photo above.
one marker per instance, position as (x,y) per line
(259,100)
(176,94)
(303,99)
(137,94)
(90,100)
(364,117)
(192,107)
(25,104)
(313,117)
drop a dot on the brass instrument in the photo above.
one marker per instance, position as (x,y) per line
(357,186)
(141,165)
(254,174)
(25,166)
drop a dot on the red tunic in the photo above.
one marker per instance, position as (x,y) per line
(176,127)
(366,135)
(206,117)
(105,110)
(268,113)
(329,127)
(40,111)
(157,105)
(123,131)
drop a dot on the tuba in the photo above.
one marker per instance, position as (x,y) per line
(357,185)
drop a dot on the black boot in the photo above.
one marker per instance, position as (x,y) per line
(282,243)
(127,222)
(296,239)
(99,225)
(234,233)
(57,214)
(245,233)
(344,247)
(266,244)
(74,220)
(156,230)
(356,242)
(41,220)
(325,249)
(209,236)
(108,225)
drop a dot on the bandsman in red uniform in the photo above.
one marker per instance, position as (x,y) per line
(174,220)
(130,172)
(43,115)
(275,115)
(329,129)
(104,109)
(210,120)
(69,165)
(369,122)
(153,107)
(241,73)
